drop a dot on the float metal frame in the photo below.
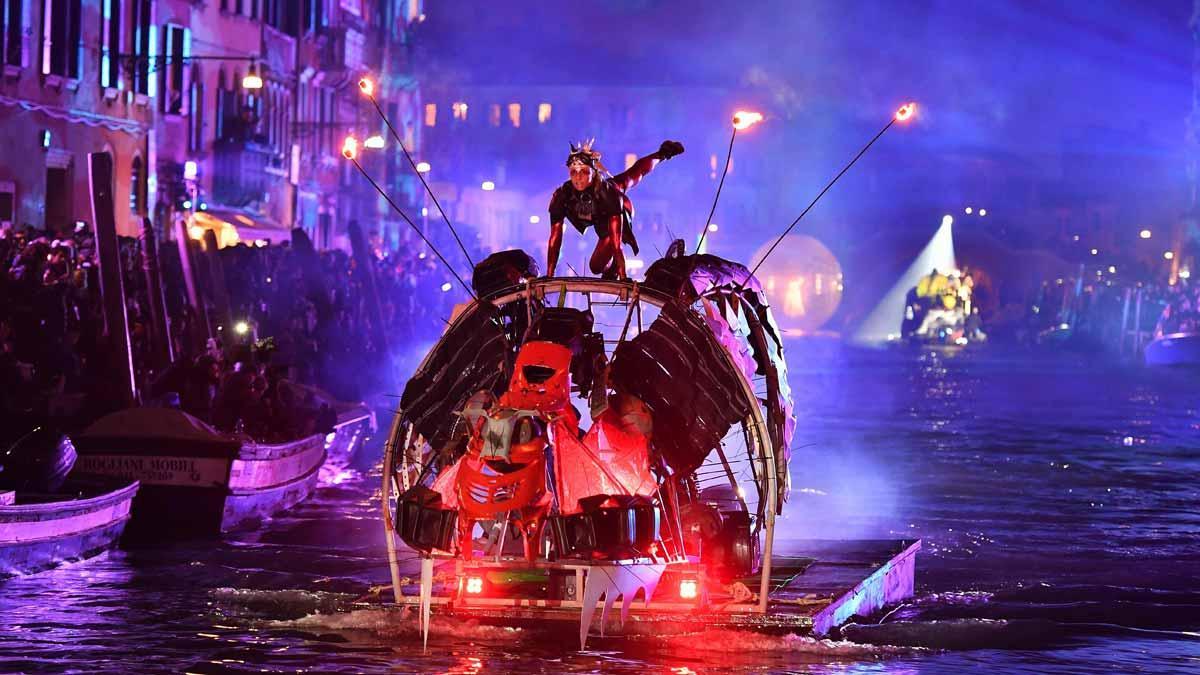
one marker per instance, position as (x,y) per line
(760,447)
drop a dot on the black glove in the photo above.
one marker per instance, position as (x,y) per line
(669,149)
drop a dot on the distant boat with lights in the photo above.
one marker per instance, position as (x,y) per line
(930,305)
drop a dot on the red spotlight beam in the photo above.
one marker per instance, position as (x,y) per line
(368,89)
(902,115)
(353,158)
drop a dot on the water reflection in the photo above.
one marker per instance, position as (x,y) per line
(1052,497)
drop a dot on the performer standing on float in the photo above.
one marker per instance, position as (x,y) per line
(594,198)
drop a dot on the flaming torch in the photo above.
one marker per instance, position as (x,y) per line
(742,119)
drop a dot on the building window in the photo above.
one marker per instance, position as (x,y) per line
(60,38)
(110,43)
(11,25)
(137,192)
(176,50)
(143,48)
(494,114)
(543,113)
(460,110)
(356,43)
(514,114)
(219,117)
(431,114)
(314,16)
(196,113)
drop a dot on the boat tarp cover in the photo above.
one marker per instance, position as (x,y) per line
(472,355)
(676,369)
(154,423)
(612,459)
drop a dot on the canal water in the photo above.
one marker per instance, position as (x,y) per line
(1057,499)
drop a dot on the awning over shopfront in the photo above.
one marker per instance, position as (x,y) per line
(233,226)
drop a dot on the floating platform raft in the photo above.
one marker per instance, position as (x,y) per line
(819,587)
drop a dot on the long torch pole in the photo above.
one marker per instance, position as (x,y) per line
(721,184)
(368,88)
(352,155)
(901,115)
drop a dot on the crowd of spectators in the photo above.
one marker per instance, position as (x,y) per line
(1110,312)
(1180,309)
(301,331)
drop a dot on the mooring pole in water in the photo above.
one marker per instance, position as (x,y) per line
(1137,324)
(389,526)
(1124,323)
(217,277)
(201,330)
(161,342)
(112,288)
(365,265)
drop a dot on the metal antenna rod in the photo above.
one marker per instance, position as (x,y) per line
(708,221)
(368,88)
(903,114)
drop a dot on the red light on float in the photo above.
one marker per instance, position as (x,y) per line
(689,589)
(474,585)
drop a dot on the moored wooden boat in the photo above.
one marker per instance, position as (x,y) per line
(1176,349)
(82,519)
(355,424)
(195,480)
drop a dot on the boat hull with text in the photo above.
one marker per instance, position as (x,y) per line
(196,481)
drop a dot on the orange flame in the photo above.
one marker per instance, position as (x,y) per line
(744,119)
(350,147)
(367,85)
(906,111)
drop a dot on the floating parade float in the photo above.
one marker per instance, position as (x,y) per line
(571,442)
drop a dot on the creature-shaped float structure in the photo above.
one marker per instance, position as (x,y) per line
(667,490)
(632,435)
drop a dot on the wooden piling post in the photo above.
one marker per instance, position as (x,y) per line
(112,288)
(201,330)
(160,346)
